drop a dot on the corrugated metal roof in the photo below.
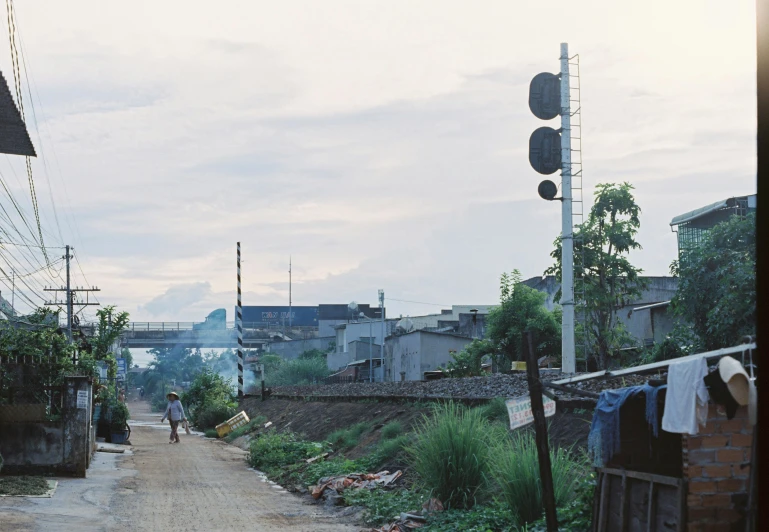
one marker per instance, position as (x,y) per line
(697,213)
(14,137)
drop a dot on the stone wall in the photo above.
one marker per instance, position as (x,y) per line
(60,447)
(715,468)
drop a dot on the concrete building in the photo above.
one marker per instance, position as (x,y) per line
(356,351)
(692,227)
(433,321)
(643,320)
(356,331)
(408,356)
(329,316)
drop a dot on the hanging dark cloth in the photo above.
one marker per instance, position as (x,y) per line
(720,393)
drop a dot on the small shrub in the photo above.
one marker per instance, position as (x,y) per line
(392,430)
(332,468)
(275,450)
(248,428)
(515,470)
(382,506)
(211,433)
(212,415)
(495,410)
(118,416)
(348,438)
(451,454)
(576,516)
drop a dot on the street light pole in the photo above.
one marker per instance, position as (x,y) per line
(381,313)
(370,347)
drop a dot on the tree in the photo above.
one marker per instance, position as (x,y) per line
(611,282)
(109,328)
(523,308)
(717,284)
(469,361)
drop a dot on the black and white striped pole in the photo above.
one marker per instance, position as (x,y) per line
(239,327)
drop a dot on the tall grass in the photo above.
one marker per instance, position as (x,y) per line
(451,453)
(515,471)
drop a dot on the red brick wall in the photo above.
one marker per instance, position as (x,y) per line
(712,466)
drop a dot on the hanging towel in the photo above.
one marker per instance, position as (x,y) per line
(686,401)
(603,442)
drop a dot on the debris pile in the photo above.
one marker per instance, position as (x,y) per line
(329,488)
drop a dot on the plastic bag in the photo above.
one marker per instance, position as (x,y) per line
(187,427)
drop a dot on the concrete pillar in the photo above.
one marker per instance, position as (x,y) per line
(76,416)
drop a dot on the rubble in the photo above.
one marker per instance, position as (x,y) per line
(335,485)
(486,387)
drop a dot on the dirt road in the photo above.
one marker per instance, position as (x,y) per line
(197,485)
(203,485)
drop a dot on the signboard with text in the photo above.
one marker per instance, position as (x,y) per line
(519,410)
(121,369)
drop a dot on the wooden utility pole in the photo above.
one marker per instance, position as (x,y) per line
(540,429)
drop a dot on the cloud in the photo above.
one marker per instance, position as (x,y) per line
(176,298)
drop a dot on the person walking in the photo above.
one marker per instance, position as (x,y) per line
(175,414)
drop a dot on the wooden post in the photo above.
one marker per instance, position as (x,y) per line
(540,429)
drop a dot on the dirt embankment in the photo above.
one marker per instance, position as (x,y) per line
(317,419)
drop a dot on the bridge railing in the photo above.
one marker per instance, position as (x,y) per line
(201,326)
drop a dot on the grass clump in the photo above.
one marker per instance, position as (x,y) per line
(390,449)
(23,485)
(481,518)
(392,430)
(273,450)
(211,416)
(515,471)
(495,410)
(211,433)
(348,438)
(248,428)
(451,454)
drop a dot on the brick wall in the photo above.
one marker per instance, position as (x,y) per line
(713,463)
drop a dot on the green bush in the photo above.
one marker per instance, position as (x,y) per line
(209,393)
(248,428)
(392,430)
(211,433)
(332,468)
(278,449)
(451,454)
(348,438)
(515,471)
(212,415)
(383,506)
(298,372)
(495,410)
(118,416)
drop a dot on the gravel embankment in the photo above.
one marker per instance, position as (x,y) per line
(486,387)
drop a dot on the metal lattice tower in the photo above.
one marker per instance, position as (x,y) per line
(578,214)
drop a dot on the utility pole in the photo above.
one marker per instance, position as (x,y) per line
(568,364)
(382,315)
(239,327)
(70,295)
(13,292)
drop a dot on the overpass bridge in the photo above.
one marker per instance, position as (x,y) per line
(192,335)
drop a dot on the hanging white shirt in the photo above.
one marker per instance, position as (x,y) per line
(686,401)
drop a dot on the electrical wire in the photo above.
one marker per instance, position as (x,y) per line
(418,302)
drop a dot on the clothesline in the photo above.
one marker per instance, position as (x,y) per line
(655,365)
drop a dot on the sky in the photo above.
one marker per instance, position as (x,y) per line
(380,145)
